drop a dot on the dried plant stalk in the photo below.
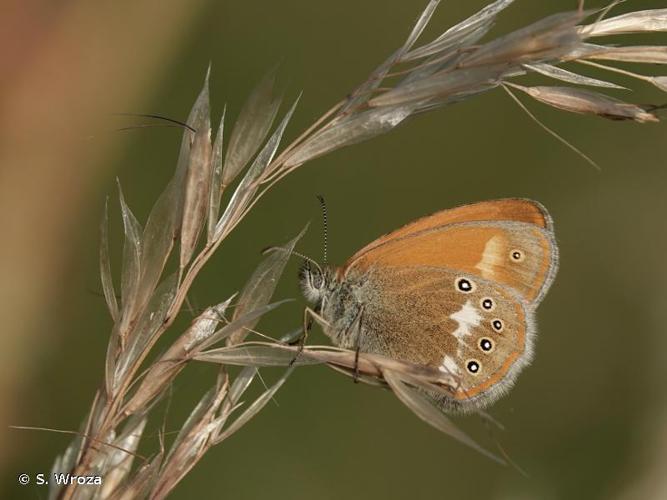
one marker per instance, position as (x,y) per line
(454,66)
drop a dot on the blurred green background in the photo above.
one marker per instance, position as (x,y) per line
(587,420)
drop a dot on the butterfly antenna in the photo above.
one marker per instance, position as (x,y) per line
(300,255)
(325,226)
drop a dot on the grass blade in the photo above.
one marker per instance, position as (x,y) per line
(351,130)
(169,365)
(647,54)
(131,270)
(424,409)
(441,86)
(570,77)
(250,183)
(464,33)
(251,127)
(643,21)
(546,39)
(239,327)
(587,102)
(198,177)
(260,287)
(147,326)
(105,266)
(216,179)
(253,409)
(258,356)
(362,93)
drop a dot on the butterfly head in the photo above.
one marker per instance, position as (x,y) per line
(315,281)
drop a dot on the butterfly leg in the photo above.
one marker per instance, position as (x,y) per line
(293,337)
(301,339)
(356,366)
(358,321)
(308,316)
(298,336)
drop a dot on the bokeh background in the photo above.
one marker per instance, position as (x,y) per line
(587,420)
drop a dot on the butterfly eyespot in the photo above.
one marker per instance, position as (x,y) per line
(473,366)
(465,285)
(497,325)
(486,344)
(487,304)
(517,255)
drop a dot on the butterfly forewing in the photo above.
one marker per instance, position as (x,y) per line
(509,209)
(510,253)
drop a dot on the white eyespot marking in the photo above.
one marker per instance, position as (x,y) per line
(497,325)
(517,255)
(450,366)
(465,285)
(467,318)
(492,258)
(486,344)
(487,304)
(473,366)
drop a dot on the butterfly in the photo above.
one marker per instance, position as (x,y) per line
(456,290)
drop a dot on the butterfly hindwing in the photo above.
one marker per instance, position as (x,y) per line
(466,326)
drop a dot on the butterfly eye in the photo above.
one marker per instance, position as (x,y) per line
(486,344)
(465,285)
(497,325)
(316,280)
(517,255)
(473,366)
(487,304)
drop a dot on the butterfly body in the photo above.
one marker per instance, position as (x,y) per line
(456,290)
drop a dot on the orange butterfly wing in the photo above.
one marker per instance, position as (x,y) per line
(509,209)
(507,241)
(445,328)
